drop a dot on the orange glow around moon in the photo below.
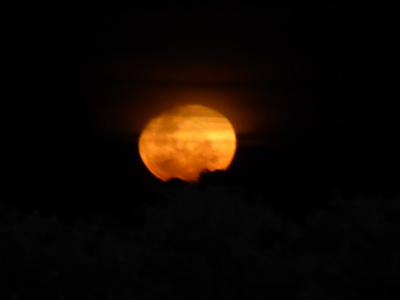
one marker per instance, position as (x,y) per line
(185,141)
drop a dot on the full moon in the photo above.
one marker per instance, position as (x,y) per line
(185,141)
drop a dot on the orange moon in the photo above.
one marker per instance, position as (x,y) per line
(185,141)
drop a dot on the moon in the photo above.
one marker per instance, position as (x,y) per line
(185,141)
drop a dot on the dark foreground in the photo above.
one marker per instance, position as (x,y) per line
(208,244)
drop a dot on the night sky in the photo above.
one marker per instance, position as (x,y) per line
(300,84)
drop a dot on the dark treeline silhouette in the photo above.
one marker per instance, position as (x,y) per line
(204,243)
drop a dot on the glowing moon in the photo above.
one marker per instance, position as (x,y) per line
(185,141)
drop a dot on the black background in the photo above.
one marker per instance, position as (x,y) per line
(335,126)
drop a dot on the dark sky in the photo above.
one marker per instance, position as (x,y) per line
(299,82)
